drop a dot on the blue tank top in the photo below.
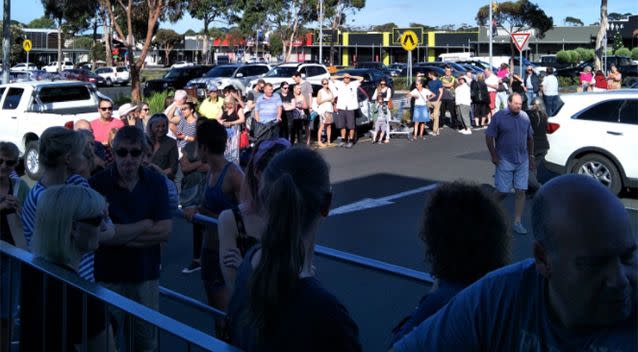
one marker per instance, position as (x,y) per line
(214,198)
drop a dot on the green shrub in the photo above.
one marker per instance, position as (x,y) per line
(401,83)
(623,52)
(585,54)
(575,56)
(563,56)
(121,99)
(634,53)
(567,81)
(156,101)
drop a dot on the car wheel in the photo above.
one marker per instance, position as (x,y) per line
(32,161)
(109,82)
(600,168)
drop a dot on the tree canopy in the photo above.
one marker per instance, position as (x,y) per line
(41,22)
(573,21)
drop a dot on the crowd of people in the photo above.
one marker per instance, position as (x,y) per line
(105,203)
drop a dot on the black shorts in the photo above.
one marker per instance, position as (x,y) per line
(480,109)
(345,119)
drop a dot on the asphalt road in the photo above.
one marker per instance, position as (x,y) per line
(385,184)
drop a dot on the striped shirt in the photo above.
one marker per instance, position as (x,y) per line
(28,221)
(187,129)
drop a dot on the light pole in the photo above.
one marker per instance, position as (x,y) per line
(6,41)
(490,34)
(321,31)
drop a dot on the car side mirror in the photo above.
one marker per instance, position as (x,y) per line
(239,75)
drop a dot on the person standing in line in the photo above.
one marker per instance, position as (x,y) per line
(325,108)
(480,101)
(174,112)
(268,110)
(421,76)
(129,263)
(213,106)
(383,90)
(517,86)
(447,99)
(144,114)
(253,95)
(510,141)
(102,126)
(491,80)
(538,120)
(232,118)
(347,104)
(300,119)
(286,116)
(421,112)
(382,123)
(550,92)
(463,99)
(436,87)
(532,85)
(164,148)
(187,126)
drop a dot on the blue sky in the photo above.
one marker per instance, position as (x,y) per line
(402,12)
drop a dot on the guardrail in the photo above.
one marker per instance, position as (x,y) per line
(190,336)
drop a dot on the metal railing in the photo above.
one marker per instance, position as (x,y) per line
(186,334)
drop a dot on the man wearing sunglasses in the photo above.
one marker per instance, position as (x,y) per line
(139,207)
(103,124)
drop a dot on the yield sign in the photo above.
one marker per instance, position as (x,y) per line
(520,39)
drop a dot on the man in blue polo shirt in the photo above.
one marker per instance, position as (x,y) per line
(268,112)
(138,206)
(510,140)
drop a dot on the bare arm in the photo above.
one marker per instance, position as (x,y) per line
(227,241)
(170,112)
(187,165)
(125,233)
(440,94)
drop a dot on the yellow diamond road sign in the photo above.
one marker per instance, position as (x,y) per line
(26,45)
(409,40)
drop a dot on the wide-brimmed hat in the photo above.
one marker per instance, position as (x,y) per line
(126,109)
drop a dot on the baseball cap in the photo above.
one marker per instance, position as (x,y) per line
(126,109)
(211,87)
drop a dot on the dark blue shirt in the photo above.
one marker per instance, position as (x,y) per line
(434,86)
(312,320)
(429,304)
(148,200)
(511,132)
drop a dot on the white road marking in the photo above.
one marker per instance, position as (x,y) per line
(368,203)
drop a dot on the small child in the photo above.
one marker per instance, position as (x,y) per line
(382,123)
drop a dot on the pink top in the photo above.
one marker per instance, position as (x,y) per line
(503,73)
(101,129)
(585,77)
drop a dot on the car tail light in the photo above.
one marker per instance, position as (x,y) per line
(69,125)
(552,127)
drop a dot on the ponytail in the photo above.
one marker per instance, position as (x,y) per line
(282,256)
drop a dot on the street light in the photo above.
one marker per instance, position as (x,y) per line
(321,31)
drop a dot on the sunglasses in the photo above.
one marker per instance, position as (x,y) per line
(123,152)
(110,108)
(284,87)
(382,83)
(8,162)
(94,221)
(147,109)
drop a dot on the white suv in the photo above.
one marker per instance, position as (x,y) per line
(312,72)
(596,134)
(114,75)
(53,66)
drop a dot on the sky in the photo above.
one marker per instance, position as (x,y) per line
(401,12)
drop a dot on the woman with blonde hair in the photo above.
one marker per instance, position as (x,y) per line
(68,221)
(232,118)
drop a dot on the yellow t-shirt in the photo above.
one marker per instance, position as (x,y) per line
(211,109)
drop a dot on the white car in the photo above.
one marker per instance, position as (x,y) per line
(182,64)
(53,66)
(28,108)
(114,75)
(236,75)
(312,72)
(24,67)
(596,134)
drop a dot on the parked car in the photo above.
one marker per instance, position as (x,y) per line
(312,72)
(53,66)
(396,68)
(23,67)
(182,64)
(114,75)
(27,76)
(596,134)
(371,78)
(174,79)
(426,69)
(77,74)
(623,63)
(236,75)
(28,108)
(472,68)
(478,63)
(457,69)
(375,65)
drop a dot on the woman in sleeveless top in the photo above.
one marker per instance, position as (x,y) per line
(222,192)
(232,119)
(300,120)
(325,101)
(288,107)
(242,226)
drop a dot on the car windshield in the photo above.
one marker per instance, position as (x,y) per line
(221,71)
(175,74)
(282,72)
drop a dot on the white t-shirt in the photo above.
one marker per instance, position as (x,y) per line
(387,94)
(492,81)
(463,95)
(550,85)
(420,97)
(347,95)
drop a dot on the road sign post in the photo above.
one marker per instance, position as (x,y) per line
(27,45)
(409,42)
(520,40)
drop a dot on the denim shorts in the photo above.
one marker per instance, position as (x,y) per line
(509,175)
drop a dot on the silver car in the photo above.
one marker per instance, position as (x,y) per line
(223,76)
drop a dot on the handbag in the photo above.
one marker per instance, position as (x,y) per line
(244,140)
(298,114)
(244,242)
(328,117)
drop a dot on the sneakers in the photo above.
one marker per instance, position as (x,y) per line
(348,145)
(465,132)
(518,228)
(340,143)
(194,266)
